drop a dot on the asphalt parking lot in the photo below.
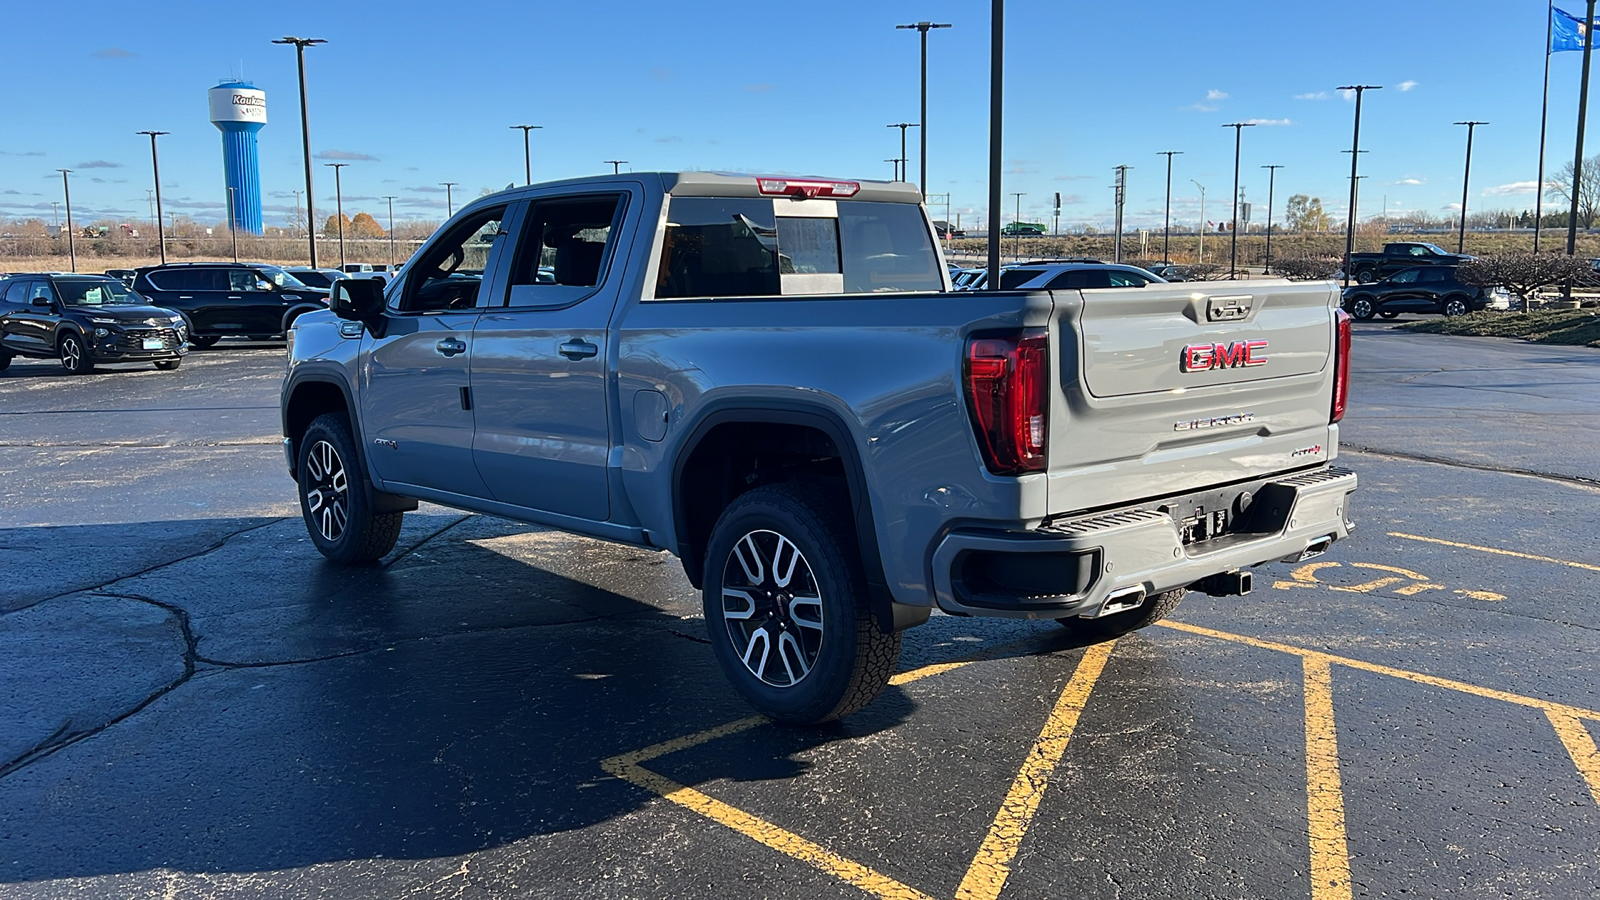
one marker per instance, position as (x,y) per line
(193,704)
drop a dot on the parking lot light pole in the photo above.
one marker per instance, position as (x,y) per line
(616,165)
(923,28)
(300,45)
(1202,219)
(155,164)
(233,232)
(1166,217)
(391,232)
(1017,243)
(1120,197)
(1355,156)
(997,17)
(338,200)
(896,163)
(1272,177)
(527,158)
(449,199)
(904,174)
(1466,174)
(1233,223)
(72,249)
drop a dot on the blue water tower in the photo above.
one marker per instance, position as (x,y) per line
(240,110)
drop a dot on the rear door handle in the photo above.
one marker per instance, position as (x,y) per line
(451,346)
(576,349)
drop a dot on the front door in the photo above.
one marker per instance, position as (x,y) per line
(540,358)
(416,412)
(257,307)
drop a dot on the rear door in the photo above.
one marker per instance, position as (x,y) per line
(1169,388)
(26,325)
(416,409)
(541,356)
(203,290)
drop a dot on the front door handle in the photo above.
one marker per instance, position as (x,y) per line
(576,349)
(451,346)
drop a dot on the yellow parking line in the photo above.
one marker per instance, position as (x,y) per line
(1548,559)
(1330,856)
(1576,712)
(770,835)
(1580,746)
(992,866)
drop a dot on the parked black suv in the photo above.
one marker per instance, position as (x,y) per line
(1427,289)
(221,299)
(83,320)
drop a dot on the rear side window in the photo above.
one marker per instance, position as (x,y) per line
(1078,279)
(1432,275)
(563,250)
(1015,278)
(16,294)
(1119,278)
(729,247)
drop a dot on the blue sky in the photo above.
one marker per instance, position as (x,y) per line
(415,94)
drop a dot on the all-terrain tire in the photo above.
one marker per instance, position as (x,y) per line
(333,503)
(842,657)
(1155,608)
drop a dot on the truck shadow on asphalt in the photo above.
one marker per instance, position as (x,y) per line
(247,707)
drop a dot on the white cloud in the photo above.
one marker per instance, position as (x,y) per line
(1215,94)
(1268,121)
(1515,187)
(1315,95)
(1409,181)
(1451,207)
(1406,85)
(1200,107)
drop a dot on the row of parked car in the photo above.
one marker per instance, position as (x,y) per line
(156,314)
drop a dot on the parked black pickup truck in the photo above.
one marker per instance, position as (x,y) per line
(1369,267)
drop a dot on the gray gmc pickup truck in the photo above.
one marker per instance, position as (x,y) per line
(772,379)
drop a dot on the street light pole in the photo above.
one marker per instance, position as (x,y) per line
(1017,243)
(300,45)
(1466,173)
(1202,219)
(233,233)
(923,28)
(616,165)
(391,232)
(904,174)
(1272,177)
(1166,218)
(896,163)
(527,159)
(155,164)
(338,200)
(449,199)
(1355,157)
(72,249)
(1121,197)
(1233,223)
(997,19)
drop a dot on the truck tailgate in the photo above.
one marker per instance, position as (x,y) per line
(1167,389)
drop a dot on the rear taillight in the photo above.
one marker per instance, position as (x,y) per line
(1341,365)
(1008,395)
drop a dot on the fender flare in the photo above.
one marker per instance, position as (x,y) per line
(811,415)
(381,501)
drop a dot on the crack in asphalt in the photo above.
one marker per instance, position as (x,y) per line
(92,588)
(66,736)
(1482,467)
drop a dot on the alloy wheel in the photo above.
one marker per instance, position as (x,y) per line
(71,355)
(328,491)
(772,608)
(1455,307)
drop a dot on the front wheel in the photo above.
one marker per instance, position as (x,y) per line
(1456,306)
(74,355)
(335,508)
(1363,308)
(1154,609)
(786,607)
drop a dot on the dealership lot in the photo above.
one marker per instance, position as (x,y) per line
(195,704)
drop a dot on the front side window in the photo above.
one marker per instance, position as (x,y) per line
(562,255)
(1126,279)
(242,280)
(450,271)
(280,277)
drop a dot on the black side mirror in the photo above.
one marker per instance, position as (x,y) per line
(41,301)
(356,299)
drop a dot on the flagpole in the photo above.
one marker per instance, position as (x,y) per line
(1544,117)
(1577,153)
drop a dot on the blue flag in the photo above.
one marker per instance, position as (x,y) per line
(1566,31)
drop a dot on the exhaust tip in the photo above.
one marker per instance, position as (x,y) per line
(1120,601)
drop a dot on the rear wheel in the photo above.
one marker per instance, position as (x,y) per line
(1366,276)
(1456,306)
(203,342)
(167,365)
(335,508)
(5,361)
(74,355)
(1363,308)
(1154,609)
(786,608)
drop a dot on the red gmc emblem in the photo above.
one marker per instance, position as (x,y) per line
(1237,355)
